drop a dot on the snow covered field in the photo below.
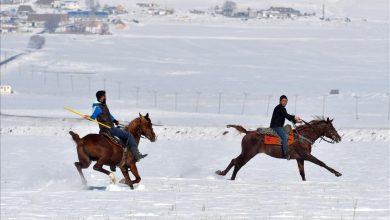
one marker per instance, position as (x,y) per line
(191,74)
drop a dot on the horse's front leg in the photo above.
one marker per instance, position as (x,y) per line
(314,160)
(125,173)
(301,167)
(134,171)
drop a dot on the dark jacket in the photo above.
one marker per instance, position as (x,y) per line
(279,115)
(102,114)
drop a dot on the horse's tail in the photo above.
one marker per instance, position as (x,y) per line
(76,137)
(239,128)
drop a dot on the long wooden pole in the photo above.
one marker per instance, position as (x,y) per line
(93,120)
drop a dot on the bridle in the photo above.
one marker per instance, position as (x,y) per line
(309,141)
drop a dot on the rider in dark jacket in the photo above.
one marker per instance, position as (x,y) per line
(102,114)
(277,122)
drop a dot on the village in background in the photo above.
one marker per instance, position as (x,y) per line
(91,17)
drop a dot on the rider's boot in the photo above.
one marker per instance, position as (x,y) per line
(137,155)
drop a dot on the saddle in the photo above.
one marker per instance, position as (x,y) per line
(113,139)
(271,137)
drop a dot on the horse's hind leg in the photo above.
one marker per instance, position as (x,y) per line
(314,160)
(240,162)
(231,164)
(99,167)
(83,163)
(301,168)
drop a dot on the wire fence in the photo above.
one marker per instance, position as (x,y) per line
(45,80)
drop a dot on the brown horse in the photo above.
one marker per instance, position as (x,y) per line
(96,147)
(299,150)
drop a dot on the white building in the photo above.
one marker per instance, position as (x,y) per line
(5,89)
(70,5)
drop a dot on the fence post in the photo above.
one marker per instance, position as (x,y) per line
(176,94)
(137,96)
(71,81)
(89,85)
(197,101)
(356,107)
(244,103)
(219,102)
(119,89)
(58,80)
(388,110)
(44,76)
(269,100)
(32,71)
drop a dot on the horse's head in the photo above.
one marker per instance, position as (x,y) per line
(146,127)
(329,131)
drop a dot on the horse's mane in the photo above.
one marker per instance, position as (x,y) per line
(316,119)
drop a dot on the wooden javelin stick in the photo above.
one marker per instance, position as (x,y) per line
(78,113)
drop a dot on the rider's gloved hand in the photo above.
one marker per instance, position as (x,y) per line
(116,122)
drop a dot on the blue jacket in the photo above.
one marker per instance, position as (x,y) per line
(97,110)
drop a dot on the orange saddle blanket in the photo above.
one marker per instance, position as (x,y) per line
(271,139)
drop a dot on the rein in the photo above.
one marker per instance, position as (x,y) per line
(331,141)
(306,139)
(300,136)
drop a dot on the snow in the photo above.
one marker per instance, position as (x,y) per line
(178,182)
(193,59)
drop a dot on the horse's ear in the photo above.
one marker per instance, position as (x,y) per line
(331,120)
(327,120)
(140,115)
(147,115)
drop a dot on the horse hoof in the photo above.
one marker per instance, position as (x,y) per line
(338,174)
(112,177)
(131,187)
(218,172)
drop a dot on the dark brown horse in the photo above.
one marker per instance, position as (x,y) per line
(96,147)
(299,150)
